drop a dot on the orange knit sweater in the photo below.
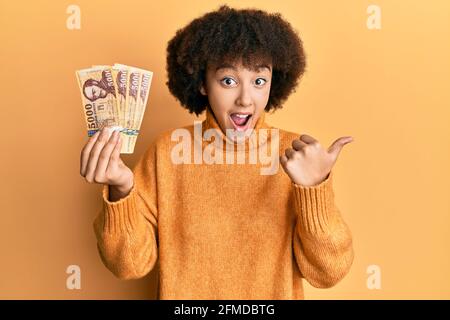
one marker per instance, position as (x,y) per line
(223,231)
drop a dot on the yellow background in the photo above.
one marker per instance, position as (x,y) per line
(388,88)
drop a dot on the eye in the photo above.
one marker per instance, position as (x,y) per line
(227,81)
(260,82)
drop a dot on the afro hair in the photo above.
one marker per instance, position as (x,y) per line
(229,35)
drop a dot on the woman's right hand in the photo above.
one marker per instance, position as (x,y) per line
(100,162)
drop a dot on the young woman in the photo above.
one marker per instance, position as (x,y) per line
(221,229)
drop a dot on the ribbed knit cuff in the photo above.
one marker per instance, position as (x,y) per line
(121,215)
(315,206)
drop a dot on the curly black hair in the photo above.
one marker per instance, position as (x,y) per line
(229,35)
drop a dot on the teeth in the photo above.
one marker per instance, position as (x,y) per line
(242,115)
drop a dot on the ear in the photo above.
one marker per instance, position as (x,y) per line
(203,90)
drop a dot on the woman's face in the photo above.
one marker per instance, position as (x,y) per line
(94,92)
(237,96)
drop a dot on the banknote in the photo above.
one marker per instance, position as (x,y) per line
(115,96)
(120,76)
(98,95)
(144,88)
(138,87)
(146,82)
(134,82)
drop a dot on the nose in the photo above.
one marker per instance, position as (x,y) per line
(244,99)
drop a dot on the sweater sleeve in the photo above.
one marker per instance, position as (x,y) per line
(322,240)
(126,230)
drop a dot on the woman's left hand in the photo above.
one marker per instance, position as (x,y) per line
(307,163)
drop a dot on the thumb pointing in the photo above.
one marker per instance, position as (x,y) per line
(337,146)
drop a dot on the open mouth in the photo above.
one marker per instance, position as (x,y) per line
(241,121)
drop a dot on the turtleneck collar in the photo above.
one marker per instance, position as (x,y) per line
(211,123)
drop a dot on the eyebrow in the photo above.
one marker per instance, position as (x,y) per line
(229,66)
